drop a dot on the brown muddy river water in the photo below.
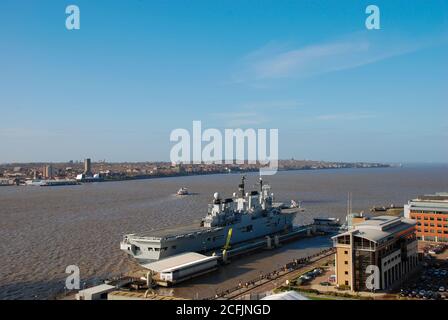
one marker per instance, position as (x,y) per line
(43,230)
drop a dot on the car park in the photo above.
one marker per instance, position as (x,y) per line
(430,283)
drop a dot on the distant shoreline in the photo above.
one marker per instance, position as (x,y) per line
(223,173)
(111,172)
(149,177)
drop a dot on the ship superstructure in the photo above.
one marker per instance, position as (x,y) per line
(250,215)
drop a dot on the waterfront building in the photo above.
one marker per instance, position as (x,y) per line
(388,243)
(87,167)
(431,214)
(48,172)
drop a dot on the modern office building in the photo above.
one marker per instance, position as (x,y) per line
(386,242)
(431,214)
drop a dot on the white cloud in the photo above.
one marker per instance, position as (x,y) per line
(275,104)
(255,112)
(277,61)
(240,119)
(345,116)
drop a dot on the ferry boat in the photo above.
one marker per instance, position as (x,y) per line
(182,192)
(57,183)
(50,183)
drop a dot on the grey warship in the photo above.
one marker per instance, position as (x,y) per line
(250,215)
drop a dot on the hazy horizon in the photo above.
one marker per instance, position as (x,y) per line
(80,161)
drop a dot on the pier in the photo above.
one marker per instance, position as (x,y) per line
(268,242)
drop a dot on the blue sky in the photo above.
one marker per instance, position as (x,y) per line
(136,70)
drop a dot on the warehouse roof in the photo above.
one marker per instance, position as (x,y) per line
(439,196)
(97,289)
(178,261)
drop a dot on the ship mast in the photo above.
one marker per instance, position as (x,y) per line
(241,186)
(349,210)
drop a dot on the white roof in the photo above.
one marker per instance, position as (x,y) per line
(177,261)
(379,228)
(97,289)
(288,295)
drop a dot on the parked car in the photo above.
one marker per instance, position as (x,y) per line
(316,272)
(305,278)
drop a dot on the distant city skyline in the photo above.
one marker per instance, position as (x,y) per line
(137,70)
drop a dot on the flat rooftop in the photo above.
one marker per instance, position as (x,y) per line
(439,196)
(174,231)
(97,289)
(380,222)
(177,261)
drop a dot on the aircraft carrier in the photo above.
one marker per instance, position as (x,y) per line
(230,221)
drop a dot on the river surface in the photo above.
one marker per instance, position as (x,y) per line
(43,230)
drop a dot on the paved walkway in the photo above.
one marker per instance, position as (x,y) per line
(273,282)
